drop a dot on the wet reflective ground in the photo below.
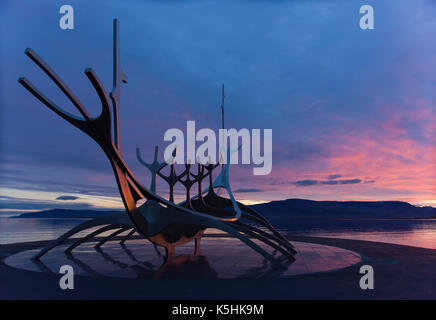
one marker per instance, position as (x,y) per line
(221,257)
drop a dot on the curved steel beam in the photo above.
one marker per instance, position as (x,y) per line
(283,241)
(127,236)
(111,236)
(93,234)
(279,241)
(262,238)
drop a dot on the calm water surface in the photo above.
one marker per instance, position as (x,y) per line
(413,232)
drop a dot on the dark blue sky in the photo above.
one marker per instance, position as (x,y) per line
(352,111)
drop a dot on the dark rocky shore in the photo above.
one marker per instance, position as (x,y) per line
(400,272)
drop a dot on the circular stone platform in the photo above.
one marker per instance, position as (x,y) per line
(221,257)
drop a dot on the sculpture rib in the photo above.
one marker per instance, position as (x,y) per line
(127,236)
(93,234)
(111,236)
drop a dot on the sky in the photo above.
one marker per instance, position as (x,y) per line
(352,111)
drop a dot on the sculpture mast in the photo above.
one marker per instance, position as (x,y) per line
(119,76)
(222,105)
(222,122)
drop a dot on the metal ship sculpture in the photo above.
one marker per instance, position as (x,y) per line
(162,221)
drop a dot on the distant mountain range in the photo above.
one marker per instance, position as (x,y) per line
(67,213)
(296,208)
(344,209)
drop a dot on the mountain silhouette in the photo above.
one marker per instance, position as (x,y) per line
(293,208)
(343,209)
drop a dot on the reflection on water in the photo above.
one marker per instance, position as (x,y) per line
(13,230)
(413,232)
(22,230)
